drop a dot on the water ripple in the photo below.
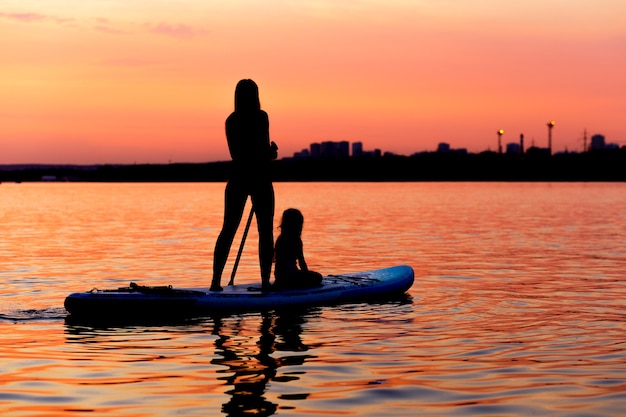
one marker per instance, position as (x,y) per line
(518,307)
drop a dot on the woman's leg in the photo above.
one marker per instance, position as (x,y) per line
(234,204)
(263,202)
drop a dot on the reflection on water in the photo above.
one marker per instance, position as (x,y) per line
(250,368)
(249,350)
(518,306)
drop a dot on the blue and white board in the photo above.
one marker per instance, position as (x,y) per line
(167,301)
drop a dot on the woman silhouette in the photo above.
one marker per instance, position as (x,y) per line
(247,133)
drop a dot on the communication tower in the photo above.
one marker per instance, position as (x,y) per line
(500,133)
(551,124)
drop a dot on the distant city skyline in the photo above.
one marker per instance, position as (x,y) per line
(342,148)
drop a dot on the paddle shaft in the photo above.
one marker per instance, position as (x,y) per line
(243,241)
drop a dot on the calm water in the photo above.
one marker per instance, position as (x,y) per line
(518,308)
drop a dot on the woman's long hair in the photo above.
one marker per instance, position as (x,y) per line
(247,96)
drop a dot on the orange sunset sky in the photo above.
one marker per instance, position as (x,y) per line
(152,81)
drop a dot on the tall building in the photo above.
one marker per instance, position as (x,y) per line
(597,142)
(335,149)
(513,148)
(357,149)
(344,149)
(316,150)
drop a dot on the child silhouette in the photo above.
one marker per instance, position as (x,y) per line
(288,255)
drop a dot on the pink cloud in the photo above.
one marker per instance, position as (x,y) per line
(34,17)
(110,30)
(103,25)
(24,17)
(177,31)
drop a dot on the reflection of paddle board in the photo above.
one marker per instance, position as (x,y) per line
(166,301)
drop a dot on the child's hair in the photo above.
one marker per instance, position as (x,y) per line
(292,222)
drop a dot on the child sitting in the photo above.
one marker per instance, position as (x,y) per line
(288,255)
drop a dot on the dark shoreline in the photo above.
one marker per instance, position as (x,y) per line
(606,165)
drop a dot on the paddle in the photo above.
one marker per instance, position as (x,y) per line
(243,241)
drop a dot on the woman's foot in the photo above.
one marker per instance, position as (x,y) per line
(215,283)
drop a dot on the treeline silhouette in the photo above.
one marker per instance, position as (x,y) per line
(604,165)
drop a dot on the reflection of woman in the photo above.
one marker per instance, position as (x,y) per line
(247,133)
(248,377)
(250,366)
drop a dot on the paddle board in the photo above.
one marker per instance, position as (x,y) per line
(167,301)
